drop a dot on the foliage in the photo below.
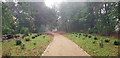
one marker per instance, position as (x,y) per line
(18,42)
(107,40)
(27,39)
(117,42)
(33,37)
(90,17)
(24,30)
(95,38)
(34,43)
(94,42)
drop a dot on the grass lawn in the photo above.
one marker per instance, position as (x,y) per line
(92,46)
(34,47)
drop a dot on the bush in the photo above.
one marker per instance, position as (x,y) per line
(27,39)
(94,42)
(38,35)
(89,36)
(79,34)
(34,43)
(16,36)
(33,37)
(117,42)
(107,40)
(18,42)
(95,38)
(23,46)
(86,35)
(9,36)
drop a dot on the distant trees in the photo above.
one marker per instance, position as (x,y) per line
(26,17)
(91,17)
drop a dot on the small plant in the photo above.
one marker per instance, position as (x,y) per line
(18,42)
(38,35)
(86,35)
(16,36)
(34,43)
(94,42)
(79,34)
(107,40)
(76,35)
(117,42)
(89,36)
(23,46)
(33,37)
(95,38)
(101,44)
(27,39)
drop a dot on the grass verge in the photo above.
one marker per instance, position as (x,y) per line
(34,47)
(92,46)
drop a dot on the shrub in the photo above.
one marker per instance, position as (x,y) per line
(18,42)
(94,42)
(27,39)
(38,35)
(89,36)
(33,37)
(117,42)
(107,40)
(79,34)
(34,43)
(76,35)
(16,36)
(95,38)
(86,35)
(9,36)
(101,44)
(23,46)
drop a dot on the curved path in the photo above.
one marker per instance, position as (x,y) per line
(61,46)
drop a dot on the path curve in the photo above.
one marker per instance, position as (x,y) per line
(62,46)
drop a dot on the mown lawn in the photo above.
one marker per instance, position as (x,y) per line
(92,46)
(34,47)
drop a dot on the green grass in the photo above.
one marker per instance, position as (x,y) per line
(9,48)
(93,48)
